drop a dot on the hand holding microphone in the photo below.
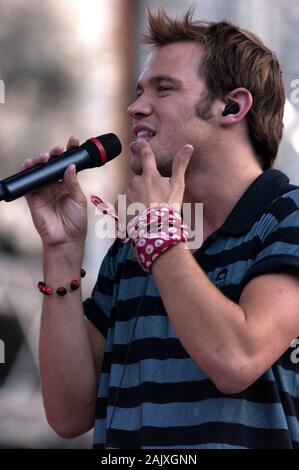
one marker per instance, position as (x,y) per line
(94,152)
(59,208)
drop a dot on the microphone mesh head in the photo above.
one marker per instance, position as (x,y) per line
(111,144)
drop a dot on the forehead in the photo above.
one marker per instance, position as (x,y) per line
(182,59)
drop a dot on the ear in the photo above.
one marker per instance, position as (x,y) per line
(244,99)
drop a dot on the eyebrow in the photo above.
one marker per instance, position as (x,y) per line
(161,78)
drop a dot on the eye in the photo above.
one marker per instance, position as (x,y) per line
(161,88)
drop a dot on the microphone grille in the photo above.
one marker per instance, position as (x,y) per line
(111,144)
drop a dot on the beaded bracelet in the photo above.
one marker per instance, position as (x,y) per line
(47,290)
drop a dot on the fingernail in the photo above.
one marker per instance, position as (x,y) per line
(188,150)
(189,147)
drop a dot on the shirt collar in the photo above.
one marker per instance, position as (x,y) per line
(264,189)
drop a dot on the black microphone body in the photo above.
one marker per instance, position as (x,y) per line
(94,152)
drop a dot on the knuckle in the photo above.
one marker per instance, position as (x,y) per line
(154,178)
(179,183)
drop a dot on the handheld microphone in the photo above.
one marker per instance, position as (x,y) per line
(94,152)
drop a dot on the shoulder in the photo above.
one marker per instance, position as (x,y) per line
(289,197)
(282,212)
(285,208)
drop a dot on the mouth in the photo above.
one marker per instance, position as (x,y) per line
(143,132)
(146,135)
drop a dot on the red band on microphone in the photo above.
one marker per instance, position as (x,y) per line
(100,149)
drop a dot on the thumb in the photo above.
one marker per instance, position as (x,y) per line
(180,163)
(71,182)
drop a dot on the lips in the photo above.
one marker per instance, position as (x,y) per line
(145,135)
(143,132)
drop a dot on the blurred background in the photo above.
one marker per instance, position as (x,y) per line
(69,67)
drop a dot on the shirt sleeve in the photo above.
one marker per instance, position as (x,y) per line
(277,247)
(97,308)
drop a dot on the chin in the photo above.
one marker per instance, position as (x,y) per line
(164,171)
(164,167)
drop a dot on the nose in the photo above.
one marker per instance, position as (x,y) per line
(140,107)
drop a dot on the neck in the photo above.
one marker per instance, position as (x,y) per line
(220,186)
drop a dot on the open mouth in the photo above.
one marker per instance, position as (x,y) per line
(147,135)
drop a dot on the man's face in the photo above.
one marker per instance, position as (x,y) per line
(169,92)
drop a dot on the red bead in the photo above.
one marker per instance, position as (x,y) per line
(83,272)
(46,290)
(75,284)
(61,291)
(41,284)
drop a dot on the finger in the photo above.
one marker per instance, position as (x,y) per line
(26,164)
(72,142)
(30,162)
(147,157)
(71,182)
(41,158)
(57,150)
(180,163)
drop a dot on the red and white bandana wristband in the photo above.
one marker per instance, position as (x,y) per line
(152,232)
